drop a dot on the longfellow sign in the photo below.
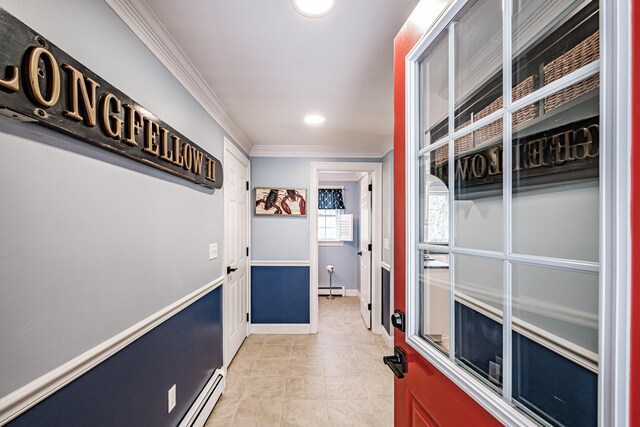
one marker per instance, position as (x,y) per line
(42,84)
(564,154)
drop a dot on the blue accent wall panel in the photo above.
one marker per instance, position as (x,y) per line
(478,340)
(561,391)
(386,300)
(550,385)
(130,388)
(279,294)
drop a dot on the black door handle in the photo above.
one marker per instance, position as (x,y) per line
(397,363)
(360,253)
(230,270)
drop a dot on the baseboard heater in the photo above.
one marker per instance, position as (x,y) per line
(337,290)
(203,406)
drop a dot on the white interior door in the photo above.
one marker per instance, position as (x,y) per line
(236,217)
(364,252)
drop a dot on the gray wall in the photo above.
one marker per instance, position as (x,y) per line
(92,243)
(275,238)
(560,221)
(344,258)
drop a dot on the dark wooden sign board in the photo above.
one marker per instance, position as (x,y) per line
(40,83)
(558,156)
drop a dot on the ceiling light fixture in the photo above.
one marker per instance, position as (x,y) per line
(314,120)
(314,8)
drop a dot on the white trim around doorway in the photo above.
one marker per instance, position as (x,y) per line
(375,169)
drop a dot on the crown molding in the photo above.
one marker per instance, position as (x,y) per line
(145,24)
(387,151)
(315,151)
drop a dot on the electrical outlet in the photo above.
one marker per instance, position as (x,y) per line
(171,395)
(213,251)
(385,245)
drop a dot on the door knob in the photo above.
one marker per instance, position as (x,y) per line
(397,363)
(230,270)
(360,253)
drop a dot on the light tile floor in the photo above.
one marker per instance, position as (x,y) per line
(334,378)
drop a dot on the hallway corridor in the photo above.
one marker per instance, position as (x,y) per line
(333,378)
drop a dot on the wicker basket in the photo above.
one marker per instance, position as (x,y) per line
(462,145)
(584,53)
(523,115)
(493,129)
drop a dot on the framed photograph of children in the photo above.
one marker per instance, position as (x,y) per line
(281,201)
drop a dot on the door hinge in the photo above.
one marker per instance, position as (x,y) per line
(369,306)
(370,187)
(247,317)
(370,247)
(247,250)
(247,185)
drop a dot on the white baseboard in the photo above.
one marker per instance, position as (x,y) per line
(337,290)
(26,397)
(203,406)
(280,328)
(388,339)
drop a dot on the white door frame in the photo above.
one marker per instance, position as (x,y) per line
(375,169)
(230,148)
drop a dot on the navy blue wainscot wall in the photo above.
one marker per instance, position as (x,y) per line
(130,388)
(386,300)
(279,294)
(565,391)
(559,390)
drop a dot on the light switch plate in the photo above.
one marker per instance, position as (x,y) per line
(171,395)
(213,251)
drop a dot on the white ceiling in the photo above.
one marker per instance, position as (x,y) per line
(266,67)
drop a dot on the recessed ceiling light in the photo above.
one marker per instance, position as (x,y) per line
(314,8)
(314,120)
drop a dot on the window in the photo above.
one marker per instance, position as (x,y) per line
(507,268)
(333,224)
(328,224)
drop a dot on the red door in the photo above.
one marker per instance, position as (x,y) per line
(424,397)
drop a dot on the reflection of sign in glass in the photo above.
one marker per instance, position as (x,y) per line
(563,154)
(45,85)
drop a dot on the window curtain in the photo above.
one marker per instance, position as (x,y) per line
(330,198)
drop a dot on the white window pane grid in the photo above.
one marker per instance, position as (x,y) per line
(507,257)
(328,224)
(331,222)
